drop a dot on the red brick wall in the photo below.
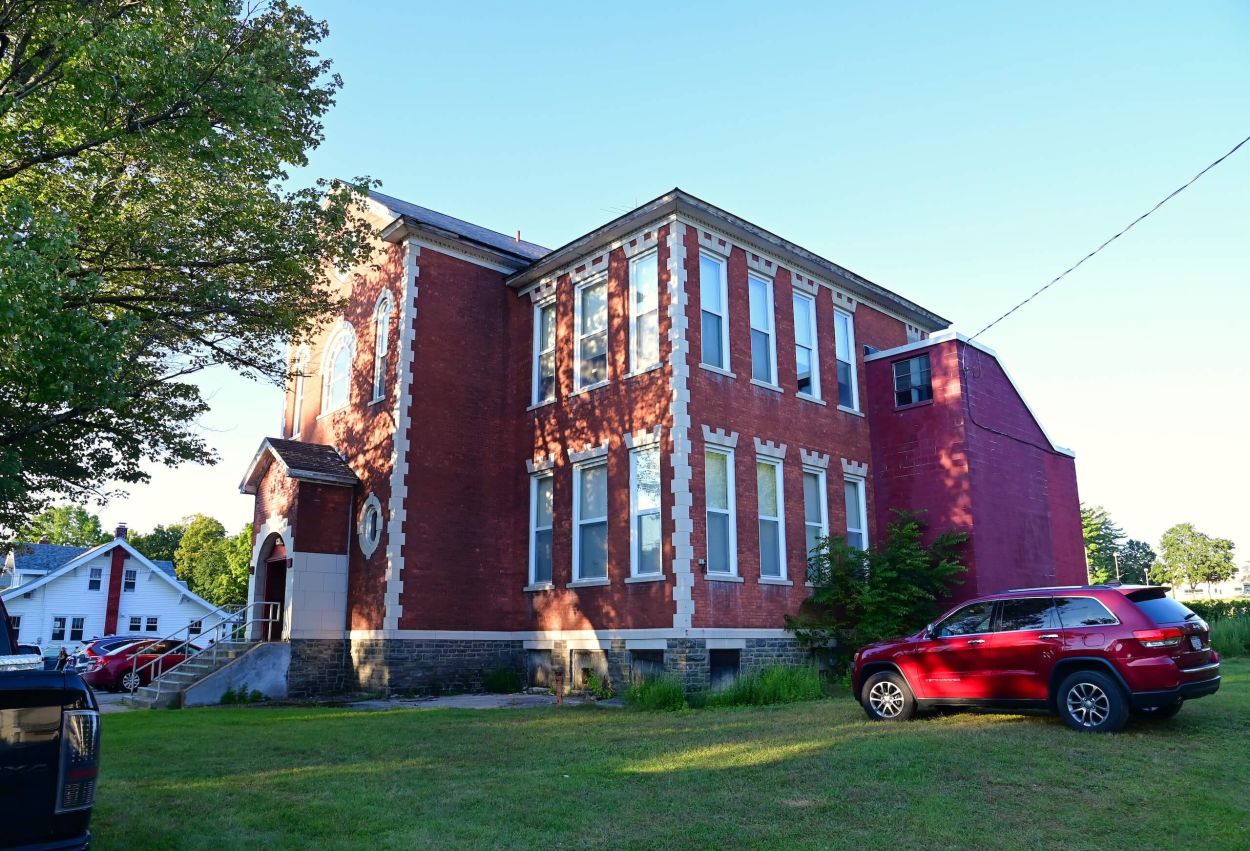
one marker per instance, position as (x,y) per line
(322,518)
(275,496)
(735,404)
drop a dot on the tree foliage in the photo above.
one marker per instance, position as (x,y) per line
(863,596)
(145,231)
(71,525)
(1102,542)
(214,565)
(1191,558)
(161,543)
(1136,559)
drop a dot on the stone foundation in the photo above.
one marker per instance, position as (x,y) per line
(423,666)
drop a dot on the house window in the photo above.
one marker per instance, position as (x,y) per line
(136,623)
(763,348)
(76,626)
(58,629)
(644,502)
(913,382)
(844,346)
(592,333)
(195,627)
(381,341)
(644,316)
(805,349)
(152,625)
(722,545)
(815,508)
(771,517)
(297,416)
(856,513)
(94,579)
(129,578)
(590,522)
(544,353)
(714,302)
(337,372)
(370,527)
(15,621)
(541,520)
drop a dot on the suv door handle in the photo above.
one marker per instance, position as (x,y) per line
(1049,635)
(976,640)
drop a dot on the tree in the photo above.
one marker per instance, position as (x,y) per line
(1136,559)
(1190,557)
(161,543)
(1102,543)
(213,565)
(863,596)
(232,585)
(65,524)
(145,231)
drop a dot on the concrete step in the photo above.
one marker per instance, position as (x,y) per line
(166,690)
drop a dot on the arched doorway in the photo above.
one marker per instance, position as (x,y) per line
(272,584)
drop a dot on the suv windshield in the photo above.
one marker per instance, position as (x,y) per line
(1161,608)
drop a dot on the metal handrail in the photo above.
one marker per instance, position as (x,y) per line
(236,624)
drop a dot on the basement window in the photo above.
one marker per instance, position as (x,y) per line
(913,382)
(723,668)
(538,668)
(646,664)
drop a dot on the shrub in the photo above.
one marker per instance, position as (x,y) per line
(502,681)
(1231,636)
(657,694)
(1214,610)
(598,687)
(229,697)
(774,684)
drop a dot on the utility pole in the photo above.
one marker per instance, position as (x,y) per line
(1115,556)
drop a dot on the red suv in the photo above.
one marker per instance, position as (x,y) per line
(1092,654)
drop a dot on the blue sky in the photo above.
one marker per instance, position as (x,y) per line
(960,154)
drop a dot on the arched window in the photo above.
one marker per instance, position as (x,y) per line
(381,336)
(300,368)
(336,369)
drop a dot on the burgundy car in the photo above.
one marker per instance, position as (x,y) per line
(1091,654)
(117,670)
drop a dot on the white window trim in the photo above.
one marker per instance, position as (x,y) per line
(634,368)
(343,337)
(156,627)
(538,352)
(862,489)
(730,484)
(850,329)
(301,379)
(126,578)
(131,623)
(369,545)
(780,518)
(771,331)
(381,344)
(634,513)
(534,584)
(813,327)
(723,266)
(91,577)
(578,520)
(578,336)
(822,476)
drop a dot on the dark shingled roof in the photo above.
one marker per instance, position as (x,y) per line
(47,557)
(312,461)
(468,230)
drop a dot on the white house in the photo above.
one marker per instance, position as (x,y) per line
(60,596)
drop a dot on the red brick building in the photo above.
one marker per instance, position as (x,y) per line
(616,454)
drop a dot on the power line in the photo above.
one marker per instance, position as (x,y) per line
(1077,265)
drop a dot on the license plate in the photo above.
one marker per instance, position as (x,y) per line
(1195,642)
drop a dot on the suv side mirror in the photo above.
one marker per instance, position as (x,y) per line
(930,631)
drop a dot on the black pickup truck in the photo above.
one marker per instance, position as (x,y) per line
(49,752)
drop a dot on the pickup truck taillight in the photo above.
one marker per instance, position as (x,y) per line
(80,760)
(1166,637)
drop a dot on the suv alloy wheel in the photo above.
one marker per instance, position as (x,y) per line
(886,697)
(1092,702)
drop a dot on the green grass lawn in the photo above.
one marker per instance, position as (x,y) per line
(814,775)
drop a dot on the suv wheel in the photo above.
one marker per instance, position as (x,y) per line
(1092,702)
(130,681)
(886,697)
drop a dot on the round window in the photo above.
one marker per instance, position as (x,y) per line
(370,526)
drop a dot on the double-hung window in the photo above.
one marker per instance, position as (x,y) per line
(722,544)
(338,374)
(844,346)
(590,522)
(815,508)
(542,503)
(152,625)
(856,513)
(129,578)
(15,621)
(58,629)
(772,519)
(95,578)
(76,627)
(644,312)
(763,344)
(644,509)
(592,333)
(714,303)
(806,353)
(913,382)
(136,623)
(195,627)
(381,342)
(544,353)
